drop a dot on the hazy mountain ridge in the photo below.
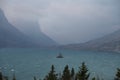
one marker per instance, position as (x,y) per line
(32,29)
(110,42)
(12,37)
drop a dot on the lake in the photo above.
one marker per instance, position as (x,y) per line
(30,62)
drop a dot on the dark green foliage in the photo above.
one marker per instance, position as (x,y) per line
(83,73)
(72,74)
(35,78)
(1,76)
(97,78)
(14,78)
(94,78)
(51,75)
(5,77)
(75,77)
(117,74)
(66,73)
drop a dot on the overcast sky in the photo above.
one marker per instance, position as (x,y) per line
(67,21)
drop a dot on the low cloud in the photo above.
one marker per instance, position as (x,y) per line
(68,21)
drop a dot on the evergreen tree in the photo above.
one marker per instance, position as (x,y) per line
(76,77)
(117,74)
(83,73)
(35,78)
(93,78)
(51,75)
(72,73)
(66,73)
(1,76)
(14,78)
(5,77)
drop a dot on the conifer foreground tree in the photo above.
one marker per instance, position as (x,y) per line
(14,78)
(93,78)
(82,73)
(51,75)
(1,77)
(35,78)
(66,73)
(117,74)
(72,74)
(5,77)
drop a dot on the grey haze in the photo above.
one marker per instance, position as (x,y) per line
(66,21)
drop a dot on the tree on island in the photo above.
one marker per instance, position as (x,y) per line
(66,73)
(51,75)
(82,73)
(117,74)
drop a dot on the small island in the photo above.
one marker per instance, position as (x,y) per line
(60,56)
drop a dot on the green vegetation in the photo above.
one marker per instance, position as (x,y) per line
(118,74)
(51,75)
(14,78)
(72,74)
(82,73)
(35,78)
(94,78)
(1,76)
(67,74)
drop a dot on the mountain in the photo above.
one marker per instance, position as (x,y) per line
(12,37)
(110,42)
(32,29)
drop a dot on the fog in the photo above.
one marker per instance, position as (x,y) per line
(67,21)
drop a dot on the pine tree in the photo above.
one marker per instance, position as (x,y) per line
(5,77)
(72,74)
(1,76)
(117,74)
(51,75)
(14,78)
(93,78)
(83,73)
(35,78)
(66,73)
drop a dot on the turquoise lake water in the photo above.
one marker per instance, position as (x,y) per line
(37,62)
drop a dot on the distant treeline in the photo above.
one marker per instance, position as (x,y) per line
(67,74)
